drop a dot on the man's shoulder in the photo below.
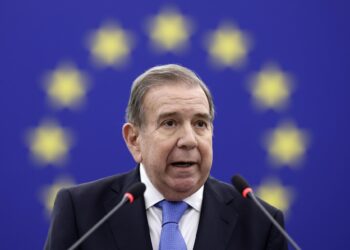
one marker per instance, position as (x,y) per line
(98,188)
(227,193)
(253,230)
(221,190)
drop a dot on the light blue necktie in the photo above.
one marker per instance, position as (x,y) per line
(170,237)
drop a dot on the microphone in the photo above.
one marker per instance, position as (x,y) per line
(243,187)
(135,191)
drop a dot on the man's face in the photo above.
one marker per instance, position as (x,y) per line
(176,139)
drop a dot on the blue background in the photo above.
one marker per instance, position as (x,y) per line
(309,39)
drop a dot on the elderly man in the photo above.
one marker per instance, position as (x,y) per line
(169,132)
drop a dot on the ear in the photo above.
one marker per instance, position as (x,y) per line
(132,140)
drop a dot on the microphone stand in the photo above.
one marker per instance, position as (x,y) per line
(285,234)
(99,223)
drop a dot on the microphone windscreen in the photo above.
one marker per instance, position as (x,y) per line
(239,183)
(137,189)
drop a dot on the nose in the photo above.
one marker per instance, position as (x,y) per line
(187,138)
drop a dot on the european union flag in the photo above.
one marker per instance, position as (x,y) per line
(278,73)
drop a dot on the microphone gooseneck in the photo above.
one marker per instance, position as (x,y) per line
(243,187)
(135,191)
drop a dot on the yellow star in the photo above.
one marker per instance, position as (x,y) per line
(66,86)
(49,143)
(275,194)
(228,46)
(169,30)
(110,45)
(271,88)
(286,145)
(48,193)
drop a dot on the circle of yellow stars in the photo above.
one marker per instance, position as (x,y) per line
(49,143)
(274,193)
(228,46)
(66,86)
(169,31)
(271,88)
(48,193)
(286,144)
(110,45)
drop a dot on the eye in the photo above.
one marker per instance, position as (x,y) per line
(201,124)
(169,123)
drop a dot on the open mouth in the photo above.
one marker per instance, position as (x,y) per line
(183,164)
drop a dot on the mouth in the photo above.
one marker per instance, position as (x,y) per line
(183,164)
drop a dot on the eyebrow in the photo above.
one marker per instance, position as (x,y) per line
(204,116)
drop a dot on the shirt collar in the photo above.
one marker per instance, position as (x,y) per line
(153,196)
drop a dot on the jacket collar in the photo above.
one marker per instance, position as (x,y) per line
(129,225)
(218,218)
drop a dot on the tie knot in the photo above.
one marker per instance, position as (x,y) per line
(172,210)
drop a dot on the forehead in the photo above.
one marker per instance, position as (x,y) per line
(175,97)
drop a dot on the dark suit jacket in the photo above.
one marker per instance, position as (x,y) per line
(227,220)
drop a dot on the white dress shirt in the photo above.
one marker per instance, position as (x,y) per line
(188,223)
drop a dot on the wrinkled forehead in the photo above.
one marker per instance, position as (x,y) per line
(166,85)
(174,90)
(174,97)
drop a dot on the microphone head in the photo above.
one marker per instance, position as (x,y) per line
(239,183)
(136,190)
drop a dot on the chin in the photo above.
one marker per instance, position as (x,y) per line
(186,186)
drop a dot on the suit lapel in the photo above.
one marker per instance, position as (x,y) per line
(129,225)
(217,220)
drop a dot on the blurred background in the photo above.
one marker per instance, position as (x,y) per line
(278,71)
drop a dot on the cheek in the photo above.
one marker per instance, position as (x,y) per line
(207,155)
(155,153)
(206,146)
